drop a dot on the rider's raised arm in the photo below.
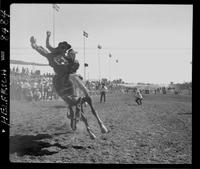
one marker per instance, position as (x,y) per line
(39,49)
(48,46)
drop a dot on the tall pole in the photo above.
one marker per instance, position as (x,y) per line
(53,27)
(57,8)
(85,35)
(109,67)
(191,70)
(99,65)
(84,57)
(117,69)
(88,75)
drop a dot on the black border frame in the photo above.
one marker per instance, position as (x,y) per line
(5,65)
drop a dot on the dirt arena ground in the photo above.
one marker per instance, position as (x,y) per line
(158,132)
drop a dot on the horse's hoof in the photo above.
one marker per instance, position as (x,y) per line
(74,128)
(104,129)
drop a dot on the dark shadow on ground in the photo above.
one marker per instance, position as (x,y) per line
(31,145)
(59,106)
(132,104)
(185,113)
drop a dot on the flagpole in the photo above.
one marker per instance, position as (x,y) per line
(84,58)
(99,64)
(88,76)
(53,27)
(117,69)
(110,66)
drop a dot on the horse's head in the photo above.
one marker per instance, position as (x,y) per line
(71,54)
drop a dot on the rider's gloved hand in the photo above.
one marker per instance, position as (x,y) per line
(33,42)
(48,33)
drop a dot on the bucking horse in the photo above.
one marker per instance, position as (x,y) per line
(67,83)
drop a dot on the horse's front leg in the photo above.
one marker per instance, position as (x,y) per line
(84,119)
(72,118)
(95,113)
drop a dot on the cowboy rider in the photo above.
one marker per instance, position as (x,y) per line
(63,65)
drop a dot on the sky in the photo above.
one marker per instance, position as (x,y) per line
(152,43)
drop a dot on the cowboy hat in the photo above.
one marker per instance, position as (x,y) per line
(72,51)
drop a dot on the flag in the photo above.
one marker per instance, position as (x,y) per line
(116,61)
(85,34)
(86,65)
(99,46)
(110,55)
(56,7)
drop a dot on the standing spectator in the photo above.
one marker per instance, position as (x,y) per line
(41,88)
(27,71)
(17,70)
(18,90)
(103,92)
(37,95)
(164,90)
(46,87)
(54,93)
(138,97)
(34,86)
(27,92)
(13,70)
(49,92)
(23,70)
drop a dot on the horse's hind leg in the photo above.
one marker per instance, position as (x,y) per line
(92,135)
(95,113)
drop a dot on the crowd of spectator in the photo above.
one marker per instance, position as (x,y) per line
(32,86)
(27,71)
(94,86)
(29,85)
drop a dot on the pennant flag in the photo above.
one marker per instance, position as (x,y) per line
(56,7)
(99,46)
(85,34)
(110,55)
(86,65)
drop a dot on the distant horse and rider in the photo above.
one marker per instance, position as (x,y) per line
(67,83)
